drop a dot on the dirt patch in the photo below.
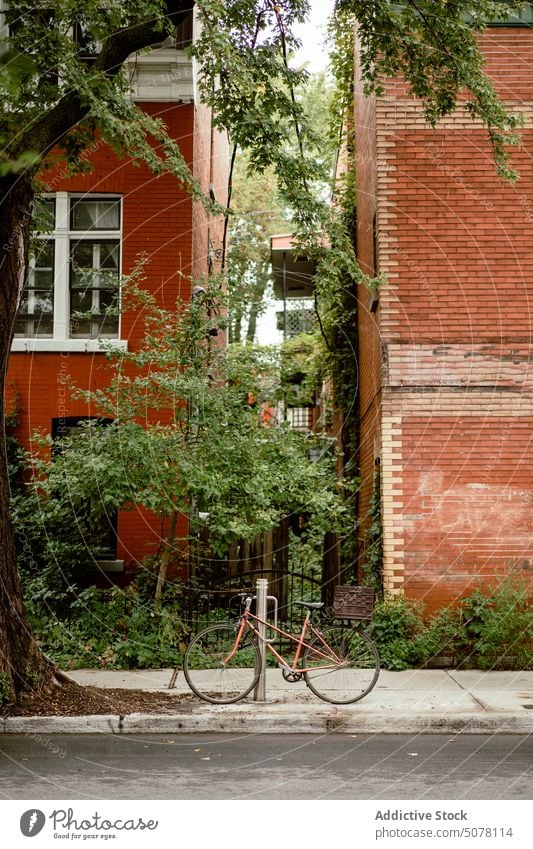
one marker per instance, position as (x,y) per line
(71,699)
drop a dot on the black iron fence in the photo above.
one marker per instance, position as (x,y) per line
(215,582)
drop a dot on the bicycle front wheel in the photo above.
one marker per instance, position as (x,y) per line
(353,667)
(212,674)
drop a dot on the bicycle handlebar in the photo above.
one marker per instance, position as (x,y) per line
(245,598)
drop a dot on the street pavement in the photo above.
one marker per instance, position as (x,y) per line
(266,766)
(412,701)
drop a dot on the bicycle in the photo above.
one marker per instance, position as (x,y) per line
(222,664)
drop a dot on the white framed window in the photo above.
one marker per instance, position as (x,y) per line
(71,296)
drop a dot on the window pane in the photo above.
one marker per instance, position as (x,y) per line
(42,278)
(95,327)
(109,256)
(107,328)
(81,300)
(43,255)
(94,289)
(82,254)
(80,329)
(37,302)
(41,269)
(43,326)
(36,310)
(95,215)
(94,264)
(42,303)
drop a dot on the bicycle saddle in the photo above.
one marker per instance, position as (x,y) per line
(311,605)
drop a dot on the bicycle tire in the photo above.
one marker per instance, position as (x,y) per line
(351,679)
(203,669)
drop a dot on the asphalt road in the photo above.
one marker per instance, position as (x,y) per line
(284,766)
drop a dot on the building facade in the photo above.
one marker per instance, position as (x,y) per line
(98,226)
(446,400)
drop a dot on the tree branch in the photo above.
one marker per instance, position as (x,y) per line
(70,110)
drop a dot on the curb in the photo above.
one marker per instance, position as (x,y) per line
(271,722)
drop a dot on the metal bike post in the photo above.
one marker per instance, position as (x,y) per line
(261,612)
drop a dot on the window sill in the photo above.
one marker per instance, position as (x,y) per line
(83,346)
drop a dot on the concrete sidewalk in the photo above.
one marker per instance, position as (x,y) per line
(435,701)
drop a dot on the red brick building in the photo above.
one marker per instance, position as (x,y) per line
(101,223)
(446,398)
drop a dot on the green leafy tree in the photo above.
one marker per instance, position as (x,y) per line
(191,426)
(258,212)
(53,100)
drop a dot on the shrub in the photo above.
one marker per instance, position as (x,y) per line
(498,627)
(395,626)
(441,637)
(488,630)
(5,688)
(113,628)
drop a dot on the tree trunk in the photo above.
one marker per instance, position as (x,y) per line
(167,554)
(22,666)
(235,327)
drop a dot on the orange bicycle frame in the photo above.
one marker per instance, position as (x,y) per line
(328,654)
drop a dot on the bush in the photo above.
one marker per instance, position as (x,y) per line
(396,625)
(113,628)
(441,638)
(488,630)
(53,552)
(498,628)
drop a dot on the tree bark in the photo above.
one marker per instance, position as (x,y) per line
(167,554)
(255,307)
(22,666)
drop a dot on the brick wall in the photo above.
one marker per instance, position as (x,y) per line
(211,171)
(454,323)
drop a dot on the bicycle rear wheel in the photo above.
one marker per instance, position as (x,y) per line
(355,673)
(208,672)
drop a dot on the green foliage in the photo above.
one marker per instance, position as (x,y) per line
(488,630)
(258,209)
(54,541)
(433,46)
(396,623)
(257,214)
(216,448)
(373,559)
(341,29)
(115,628)
(121,629)
(498,627)
(5,688)
(46,75)
(302,369)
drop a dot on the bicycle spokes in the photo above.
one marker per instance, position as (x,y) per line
(220,669)
(350,673)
